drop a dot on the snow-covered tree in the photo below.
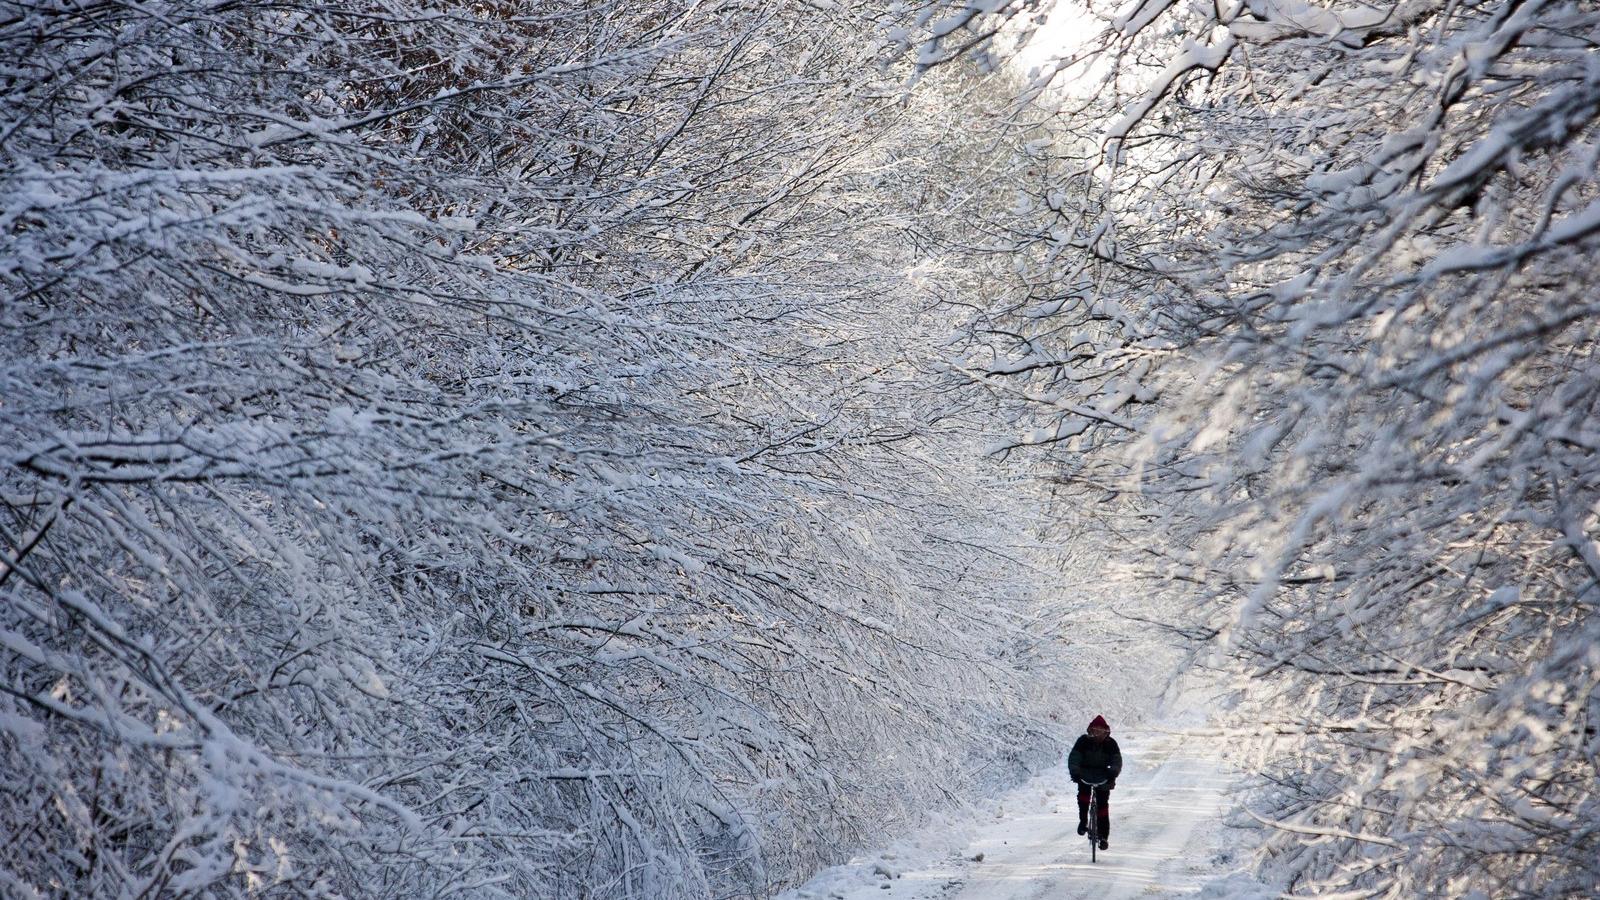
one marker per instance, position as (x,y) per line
(476,449)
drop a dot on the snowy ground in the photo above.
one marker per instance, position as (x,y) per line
(1167,839)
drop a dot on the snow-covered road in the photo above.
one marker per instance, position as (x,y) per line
(1167,838)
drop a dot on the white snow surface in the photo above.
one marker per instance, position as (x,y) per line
(1167,839)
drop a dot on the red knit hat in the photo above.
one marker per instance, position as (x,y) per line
(1099,722)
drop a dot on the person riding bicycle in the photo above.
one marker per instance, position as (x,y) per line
(1095,758)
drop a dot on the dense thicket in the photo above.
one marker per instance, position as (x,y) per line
(1347,254)
(476,450)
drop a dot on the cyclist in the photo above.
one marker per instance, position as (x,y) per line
(1095,758)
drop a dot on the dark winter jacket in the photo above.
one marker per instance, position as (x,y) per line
(1095,759)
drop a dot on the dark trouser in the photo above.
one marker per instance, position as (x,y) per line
(1102,818)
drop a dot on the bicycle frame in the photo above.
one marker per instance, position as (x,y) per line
(1094,817)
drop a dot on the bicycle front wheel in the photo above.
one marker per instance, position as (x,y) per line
(1094,828)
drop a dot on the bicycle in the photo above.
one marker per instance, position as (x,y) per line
(1094,818)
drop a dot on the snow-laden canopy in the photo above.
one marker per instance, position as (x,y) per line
(480,450)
